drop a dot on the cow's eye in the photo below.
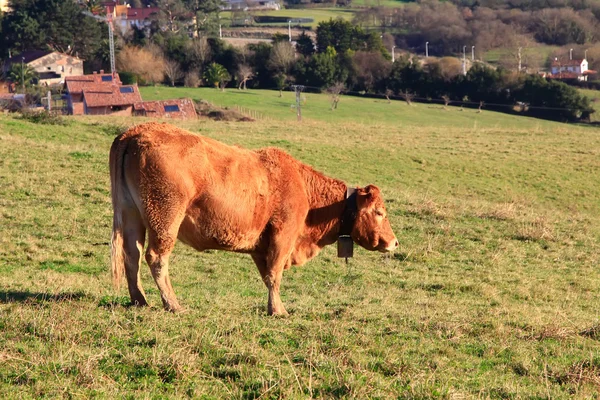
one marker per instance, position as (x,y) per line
(379,213)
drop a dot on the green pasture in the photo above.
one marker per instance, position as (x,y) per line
(351,109)
(538,54)
(379,3)
(494,292)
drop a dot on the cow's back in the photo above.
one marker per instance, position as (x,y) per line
(224,196)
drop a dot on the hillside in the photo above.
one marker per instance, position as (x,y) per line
(351,109)
(493,292)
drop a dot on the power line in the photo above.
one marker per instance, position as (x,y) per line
(435,101)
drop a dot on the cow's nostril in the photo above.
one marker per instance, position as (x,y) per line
(396,244)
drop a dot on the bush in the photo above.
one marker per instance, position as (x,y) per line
(43,117)
(128,78)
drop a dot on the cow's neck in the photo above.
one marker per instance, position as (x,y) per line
(326,198)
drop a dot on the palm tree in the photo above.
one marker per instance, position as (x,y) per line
(22,74)
(217,75)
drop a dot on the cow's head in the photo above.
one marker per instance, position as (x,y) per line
(372,229)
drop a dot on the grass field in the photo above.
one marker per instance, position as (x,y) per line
(494,292)
(540,53)
(317,14)
(351,109)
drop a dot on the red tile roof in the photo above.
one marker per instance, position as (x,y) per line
(110,96)
(76,84)
(157,108)
(567,63)
(142,13)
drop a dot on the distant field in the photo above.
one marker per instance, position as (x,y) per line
(351,109)
(317,14)
(539,52)
(494,292)
(380,3)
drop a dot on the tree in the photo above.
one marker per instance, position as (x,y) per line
(244,75)
(173,15)
(191,79)
(343,36)
(217,75)
(321,69)
(305,45)
(207,15)
(22,75)
(280,81)
(55,25)
(335,91)
(199,53)
(146,62)
(173,71)
(282,57)
(372,69)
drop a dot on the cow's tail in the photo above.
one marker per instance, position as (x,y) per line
(117,188)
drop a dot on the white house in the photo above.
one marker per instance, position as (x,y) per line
(570,69)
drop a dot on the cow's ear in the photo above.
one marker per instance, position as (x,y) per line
(366,195)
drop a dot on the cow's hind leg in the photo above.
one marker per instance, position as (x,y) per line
(157,255)
(134,234)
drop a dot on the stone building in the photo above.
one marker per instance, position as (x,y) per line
(52,67)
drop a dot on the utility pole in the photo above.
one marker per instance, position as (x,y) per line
(23,74)
(111,45)
(519,57)
(220,31)
(290,29)
(464,62)
(298,89)
(393,55)
(426,49)
(472,53)
(570,54)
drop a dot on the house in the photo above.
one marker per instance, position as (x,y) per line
(570,69)
(52,67)
(126,17)
(110,99)
(178,108)
(75,86)
(104,94)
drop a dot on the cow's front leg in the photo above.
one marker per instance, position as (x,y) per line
(271,273)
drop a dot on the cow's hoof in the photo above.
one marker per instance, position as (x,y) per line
(139,303)
(278,313)
(175,309)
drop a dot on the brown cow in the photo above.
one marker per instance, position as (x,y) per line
(173,184)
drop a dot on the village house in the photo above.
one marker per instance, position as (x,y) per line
(125,17)
(570,69)
(52,67)
(100,94)
(104,94)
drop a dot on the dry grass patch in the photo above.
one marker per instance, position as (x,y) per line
(540,229)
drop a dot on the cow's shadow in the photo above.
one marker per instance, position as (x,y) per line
(23,296)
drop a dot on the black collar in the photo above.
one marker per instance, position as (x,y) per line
(349,214)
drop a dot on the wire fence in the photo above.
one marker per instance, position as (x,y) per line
(466,103)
